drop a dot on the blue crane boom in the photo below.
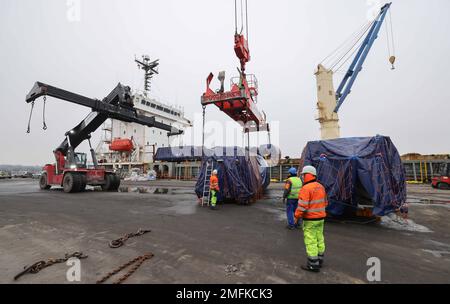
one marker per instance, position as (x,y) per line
(349,79)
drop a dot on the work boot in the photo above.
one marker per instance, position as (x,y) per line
(310,268)
(321,257)
(213,207)
(290,227)
(312,265)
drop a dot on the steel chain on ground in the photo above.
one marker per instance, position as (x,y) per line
(121,241)
(38,266)
(138,260)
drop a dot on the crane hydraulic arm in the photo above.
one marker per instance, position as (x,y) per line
(346,84)
(117,105)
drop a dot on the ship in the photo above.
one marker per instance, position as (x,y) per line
(128,146)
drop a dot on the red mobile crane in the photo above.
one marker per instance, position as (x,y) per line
(240,102)
(70,170)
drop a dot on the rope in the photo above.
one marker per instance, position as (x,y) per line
(29,119)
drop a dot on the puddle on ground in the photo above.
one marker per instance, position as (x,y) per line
(153,190)
(163,191)
(424,201)
(184,209)
(392,221)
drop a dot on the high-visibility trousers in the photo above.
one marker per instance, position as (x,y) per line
(314,239)
(213,198)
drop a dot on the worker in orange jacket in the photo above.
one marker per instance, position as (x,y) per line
(214,188)
(312,203)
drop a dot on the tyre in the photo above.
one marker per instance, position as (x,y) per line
(83,183)
(72,183)
(116,182)
(43,182)
(109,183)
(443,186)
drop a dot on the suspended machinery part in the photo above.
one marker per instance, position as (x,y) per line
(239,103)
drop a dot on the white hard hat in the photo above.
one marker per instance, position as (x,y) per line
(310,170)
(215,172)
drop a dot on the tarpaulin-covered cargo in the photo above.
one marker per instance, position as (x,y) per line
(359,171)
(179,154)
(242,179)
(192,153)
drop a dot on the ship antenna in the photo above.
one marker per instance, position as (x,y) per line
(150,68)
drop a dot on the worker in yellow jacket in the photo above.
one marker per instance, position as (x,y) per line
(290,197)
(312,203)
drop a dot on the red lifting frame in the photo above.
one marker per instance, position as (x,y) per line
(240,102)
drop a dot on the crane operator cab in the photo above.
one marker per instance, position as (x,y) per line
(80,160)
(77,161)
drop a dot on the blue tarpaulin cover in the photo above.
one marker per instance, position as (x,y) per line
(193,153)
(241,179)
(359,171)
(179,154)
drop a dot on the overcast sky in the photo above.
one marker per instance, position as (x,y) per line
(39,41)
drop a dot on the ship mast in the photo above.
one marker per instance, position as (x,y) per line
(150,68)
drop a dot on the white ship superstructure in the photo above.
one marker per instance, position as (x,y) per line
(132,145)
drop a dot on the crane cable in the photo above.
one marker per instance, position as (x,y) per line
(390,44)
(354,50)
(348,58)
(392,32)
(351,48)
(44,126)
(242,17)
(246,20)
(390,40)
(336,52)
(29,119)
(235,16)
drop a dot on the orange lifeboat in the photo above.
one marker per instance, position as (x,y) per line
(121,145)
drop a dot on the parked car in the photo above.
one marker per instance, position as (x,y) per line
(442,181)
(22,174)
(4,175)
